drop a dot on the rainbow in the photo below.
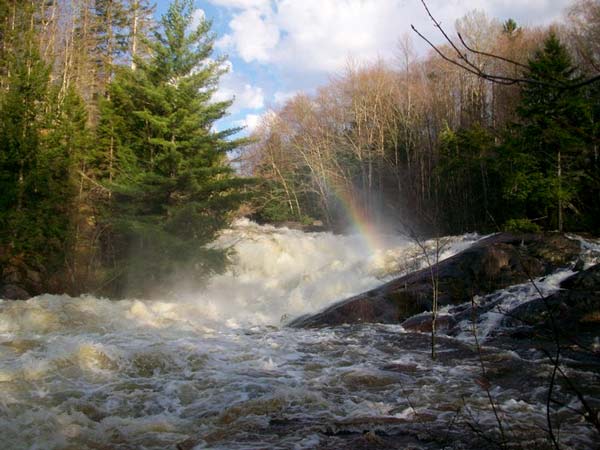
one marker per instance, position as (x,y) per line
(362,223)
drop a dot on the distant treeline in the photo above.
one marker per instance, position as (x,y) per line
(433,147)
(111,176)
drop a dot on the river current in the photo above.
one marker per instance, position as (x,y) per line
(220,370)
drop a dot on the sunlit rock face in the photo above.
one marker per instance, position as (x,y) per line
(215,369)
(278,274)
(493,263)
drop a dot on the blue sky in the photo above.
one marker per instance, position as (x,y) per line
(280,47)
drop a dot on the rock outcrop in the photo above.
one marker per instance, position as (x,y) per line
(20,281)
(13,292)
(492,263)
(574,309)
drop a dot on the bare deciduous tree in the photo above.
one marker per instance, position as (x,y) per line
(464,55)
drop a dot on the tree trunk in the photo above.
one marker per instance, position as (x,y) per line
(560,200)
(134,33)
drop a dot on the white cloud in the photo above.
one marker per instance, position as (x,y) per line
(531,12)
(247,95)
(251,97)
(321,35)
(242,4)
(250,122)
(253,35)
(280,97)
(324,34)
(197,17)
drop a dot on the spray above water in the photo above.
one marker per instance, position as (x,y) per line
(211,370)
(89,372)
(278,274)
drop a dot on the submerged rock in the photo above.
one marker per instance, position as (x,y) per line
(13,292)
(574,308)
(493,263)
(568,318)
(423,323)
(20,280)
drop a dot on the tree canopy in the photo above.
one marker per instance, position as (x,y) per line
(112,172)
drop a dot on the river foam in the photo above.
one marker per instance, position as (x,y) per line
(277,274)
(216,370)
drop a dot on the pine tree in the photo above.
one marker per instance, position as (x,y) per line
(590,198)
(467,178)
(81,66)
(110,37)
(140,22)
(4,28)
(173,189)
(545,150)
(33,219)
(67,145)
(510,27)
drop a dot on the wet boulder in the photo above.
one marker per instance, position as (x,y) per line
(423,323)
(570,317)
(576,307)
(13,292)
(20,280)
(492,263)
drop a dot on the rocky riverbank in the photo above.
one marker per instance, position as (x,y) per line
(524,306)
(20,280)
(491,264)
(86,372)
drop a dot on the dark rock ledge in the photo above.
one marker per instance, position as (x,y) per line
(493,263)
(19,280)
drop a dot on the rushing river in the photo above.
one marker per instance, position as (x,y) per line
(219,370)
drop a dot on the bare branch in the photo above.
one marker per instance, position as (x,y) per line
(493,78)
(462,61)
(490,55)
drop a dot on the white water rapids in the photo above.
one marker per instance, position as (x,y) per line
(218,370)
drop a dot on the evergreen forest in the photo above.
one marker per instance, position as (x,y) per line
(114,178)
(497,129)
(111,174)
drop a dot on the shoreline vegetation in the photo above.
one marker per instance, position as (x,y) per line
(113,179)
